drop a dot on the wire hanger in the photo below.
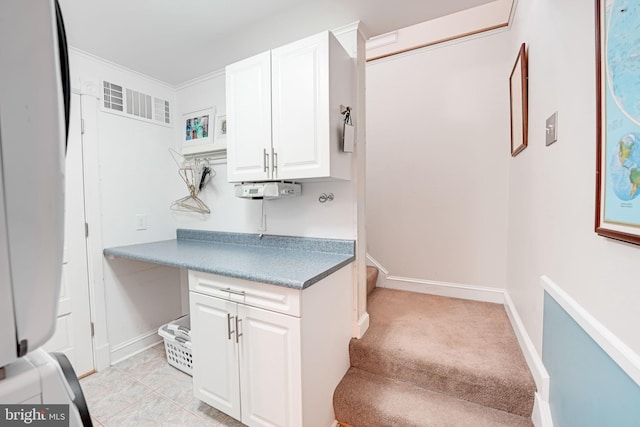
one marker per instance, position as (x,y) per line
(195,173)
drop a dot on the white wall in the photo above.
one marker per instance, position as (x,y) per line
(552,189)
(133,176)
(134,158)
(437,161)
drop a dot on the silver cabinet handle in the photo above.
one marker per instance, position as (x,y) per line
(265,160)
(232,291)
(238,333)
(229,331)
(274,156)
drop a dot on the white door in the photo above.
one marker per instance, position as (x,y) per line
(270,368)
(300,103)
(248,97)
(73,328)
(215,353)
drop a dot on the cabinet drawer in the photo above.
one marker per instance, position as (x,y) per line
(270,297)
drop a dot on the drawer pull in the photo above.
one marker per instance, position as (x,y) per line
(229,331)
(233,291)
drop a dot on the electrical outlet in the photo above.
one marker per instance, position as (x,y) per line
(141,222)
(552,129)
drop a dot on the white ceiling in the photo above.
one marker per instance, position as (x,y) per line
(178,40)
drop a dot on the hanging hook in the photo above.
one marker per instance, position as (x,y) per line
(324,197)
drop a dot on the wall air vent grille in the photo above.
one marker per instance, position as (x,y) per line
(162,111)
(113,98)
(131,103)
(138,104)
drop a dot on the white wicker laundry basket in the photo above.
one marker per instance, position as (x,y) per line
(177,343)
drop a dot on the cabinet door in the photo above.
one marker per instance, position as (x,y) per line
(215,353)
(248,91)
(270,368)
(300,98)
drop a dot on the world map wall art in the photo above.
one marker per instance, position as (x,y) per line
(618,119)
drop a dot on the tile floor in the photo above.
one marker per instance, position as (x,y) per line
(145,391)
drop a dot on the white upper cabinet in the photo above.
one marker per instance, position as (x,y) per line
(283,112)
(248,86)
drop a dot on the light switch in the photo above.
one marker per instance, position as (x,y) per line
(141,222)
(552,129)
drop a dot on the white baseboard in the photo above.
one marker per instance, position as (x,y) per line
(134,346)
(372,261)
(541,416)
(534,361)
(361,327)
(445,289)
(102,357)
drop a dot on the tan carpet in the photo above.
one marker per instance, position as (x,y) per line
(384,402)
(458,348)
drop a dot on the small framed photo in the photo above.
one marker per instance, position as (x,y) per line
(197,133)
(220,134)
(518,97)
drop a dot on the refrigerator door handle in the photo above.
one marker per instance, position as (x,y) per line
(64,69)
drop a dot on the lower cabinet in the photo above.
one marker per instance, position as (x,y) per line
(216,377)
(247,361)
(268,355)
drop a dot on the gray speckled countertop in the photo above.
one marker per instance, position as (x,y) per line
(293,262)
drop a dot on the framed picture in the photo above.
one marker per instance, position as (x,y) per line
(221,131)
(617,122)
(518,96)
(197,132)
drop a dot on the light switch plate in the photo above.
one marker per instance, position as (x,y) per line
(141,222)
(551,129)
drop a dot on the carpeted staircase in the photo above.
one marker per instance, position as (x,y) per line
(434,361)
(372,278)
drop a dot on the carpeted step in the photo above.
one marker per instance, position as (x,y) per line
(465,349)
(372,278)
(363,399)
